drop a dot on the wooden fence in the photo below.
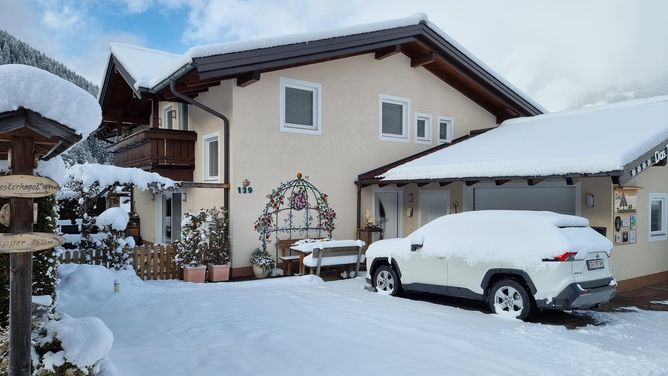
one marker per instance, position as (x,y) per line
(149,262)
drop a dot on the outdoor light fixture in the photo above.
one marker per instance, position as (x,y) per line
(590,200)
(410,197)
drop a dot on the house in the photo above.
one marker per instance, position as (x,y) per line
(330,105)
(606,163)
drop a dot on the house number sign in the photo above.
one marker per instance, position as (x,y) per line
(27,186)
(658,156)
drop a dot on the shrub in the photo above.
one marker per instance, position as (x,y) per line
(216,237)
(262,259)
(191,248)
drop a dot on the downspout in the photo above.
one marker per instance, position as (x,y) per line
(226,138)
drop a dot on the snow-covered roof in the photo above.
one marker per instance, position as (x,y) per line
(150,67)
(144,64)
(49,95)
(586,141)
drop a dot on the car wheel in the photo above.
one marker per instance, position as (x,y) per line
(509,298)
(386,281)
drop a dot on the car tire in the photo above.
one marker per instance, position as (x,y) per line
(510,298)
(386,281)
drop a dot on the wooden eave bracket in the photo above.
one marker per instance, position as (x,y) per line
(248,78)
(387,52)
(422,60)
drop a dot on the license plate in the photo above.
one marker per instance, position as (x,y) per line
(594,264)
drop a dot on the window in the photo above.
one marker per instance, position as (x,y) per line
(211,156)
(422,128)
(300,106)
(658,218)
(446,129)
(170,118)
(393,116)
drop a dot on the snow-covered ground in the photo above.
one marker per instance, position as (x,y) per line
(303,326)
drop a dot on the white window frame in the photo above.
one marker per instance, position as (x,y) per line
(406,104)
(663,233)
(214,136)
(450,129)
(175,121)
(316,89)
(427,131)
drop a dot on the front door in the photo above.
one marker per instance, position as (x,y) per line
(171,217)
(387,213)
(433,204)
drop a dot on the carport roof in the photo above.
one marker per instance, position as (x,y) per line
(618,140)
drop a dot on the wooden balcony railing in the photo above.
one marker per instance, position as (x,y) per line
(169,152)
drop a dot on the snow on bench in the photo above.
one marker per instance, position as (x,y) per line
(330,253)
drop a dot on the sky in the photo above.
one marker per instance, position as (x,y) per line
(565,54)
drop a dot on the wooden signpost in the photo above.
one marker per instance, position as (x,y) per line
(26,136)
(27,186)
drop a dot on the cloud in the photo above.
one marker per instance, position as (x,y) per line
(565,54)
(65,31)
(61,19)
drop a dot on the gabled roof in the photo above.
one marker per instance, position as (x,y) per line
(148,71)
(608,140)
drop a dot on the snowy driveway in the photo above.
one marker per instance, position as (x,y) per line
(303,326)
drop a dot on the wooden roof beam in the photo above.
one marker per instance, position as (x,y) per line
(534,181)
(248,78)
(444,183)
(501,182)
(471,182)
(422,60)
(387,52)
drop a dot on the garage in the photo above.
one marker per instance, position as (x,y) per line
(557,199)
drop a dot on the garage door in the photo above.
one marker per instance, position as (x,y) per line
(559,199)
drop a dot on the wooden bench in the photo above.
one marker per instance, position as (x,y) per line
(286,256)
(333,254)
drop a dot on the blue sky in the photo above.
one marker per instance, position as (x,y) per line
(565,54)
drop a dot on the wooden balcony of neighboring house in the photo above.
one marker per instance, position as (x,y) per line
(169,152)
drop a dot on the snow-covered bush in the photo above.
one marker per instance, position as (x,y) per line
(69,346)
(4,351)
(190,250)
(216,236)
(261,259)
(111,240)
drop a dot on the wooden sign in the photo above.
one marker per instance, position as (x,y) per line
(29,242)
(27,186)
(6,213)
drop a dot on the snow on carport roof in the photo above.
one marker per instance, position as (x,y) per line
(586,141)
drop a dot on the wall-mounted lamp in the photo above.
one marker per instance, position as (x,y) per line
(410,198)
(185,196)
(589,200)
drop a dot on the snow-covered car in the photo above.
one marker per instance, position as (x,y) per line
(517,261)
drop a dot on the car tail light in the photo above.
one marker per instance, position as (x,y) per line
(566,256)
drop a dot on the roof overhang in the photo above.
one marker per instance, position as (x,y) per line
(423,45)
(50,137)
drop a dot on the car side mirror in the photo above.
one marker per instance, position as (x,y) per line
(416,242)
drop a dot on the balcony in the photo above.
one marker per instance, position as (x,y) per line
(169,152)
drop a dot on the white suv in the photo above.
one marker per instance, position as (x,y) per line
(518,261)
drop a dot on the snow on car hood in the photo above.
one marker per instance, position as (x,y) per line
(521,238)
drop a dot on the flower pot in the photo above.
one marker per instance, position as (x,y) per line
(194,274)
(259,273)
(218,273)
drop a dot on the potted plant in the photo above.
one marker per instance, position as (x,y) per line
(262,263)
(218,246)
(191,248)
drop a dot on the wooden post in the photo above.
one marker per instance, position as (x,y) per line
(20,303)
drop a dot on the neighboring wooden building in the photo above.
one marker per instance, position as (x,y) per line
(331,105)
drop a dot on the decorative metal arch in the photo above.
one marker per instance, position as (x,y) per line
(295,207)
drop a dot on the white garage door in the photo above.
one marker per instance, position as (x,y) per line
(560,199)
